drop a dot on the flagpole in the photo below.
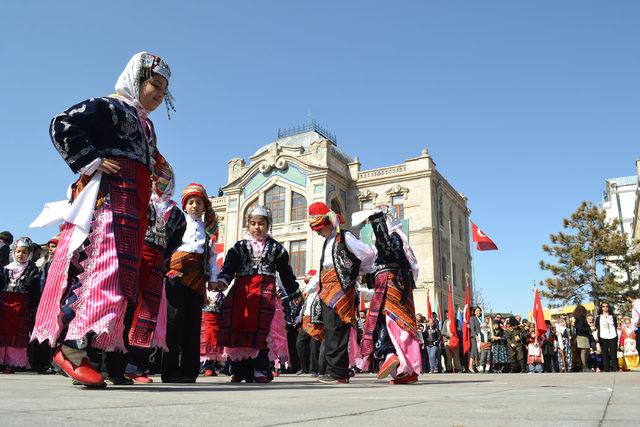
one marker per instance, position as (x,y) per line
(473,260)
(451,256)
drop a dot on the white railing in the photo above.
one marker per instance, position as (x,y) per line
(391,170)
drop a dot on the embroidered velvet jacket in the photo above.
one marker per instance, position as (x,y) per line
(391,256)
(101,128)
(240,261)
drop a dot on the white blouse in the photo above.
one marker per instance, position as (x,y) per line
(607,328)
(193,241)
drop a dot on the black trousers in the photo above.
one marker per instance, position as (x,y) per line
(609,348)
(322,360)
(303,348)
(309,352)
(336,341)
(184,318)
(115,362)
(41,354)
(551,362)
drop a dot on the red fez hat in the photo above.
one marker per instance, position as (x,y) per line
(195,189)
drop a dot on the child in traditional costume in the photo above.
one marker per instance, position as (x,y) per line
(390,333)
(192,266)
(630,361)
(111,143)
(148,318)
(211,353)
(253,325)
(343,259)
(535,358)
(19,291)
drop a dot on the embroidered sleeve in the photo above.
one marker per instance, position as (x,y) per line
(389,246)
(286,275)
(71,133)
(231,264)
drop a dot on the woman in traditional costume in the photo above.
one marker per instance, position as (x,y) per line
(111,143)
(19,291)
(253,330)
(390,328)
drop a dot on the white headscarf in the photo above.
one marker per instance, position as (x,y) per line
(128,84)
(17,268)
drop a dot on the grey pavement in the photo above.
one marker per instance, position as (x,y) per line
(584,399)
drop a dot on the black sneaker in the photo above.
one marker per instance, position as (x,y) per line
(120,380)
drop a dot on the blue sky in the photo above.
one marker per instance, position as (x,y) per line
(526,107)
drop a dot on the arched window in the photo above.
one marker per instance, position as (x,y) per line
(298,257)
(397,202)
(298,206)
(274,199)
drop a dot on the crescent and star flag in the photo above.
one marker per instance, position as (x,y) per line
(483,242)
(454,342)
(429,315)
(466,327)
(538,315)
(219,255)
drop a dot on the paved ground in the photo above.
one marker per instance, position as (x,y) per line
(477,399)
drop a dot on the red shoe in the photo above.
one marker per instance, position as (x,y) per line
(262,380)
(388,366)
(82,373)
(276,374)
(208,373)
(9,370)
(140,379)
(405,379)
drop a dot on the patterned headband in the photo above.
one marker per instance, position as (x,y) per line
(157,65)
(23,242)
(259,210)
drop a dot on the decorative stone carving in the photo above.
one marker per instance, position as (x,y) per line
(366,195)
(398,190)
(272,163)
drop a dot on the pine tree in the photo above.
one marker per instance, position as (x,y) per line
(585,251)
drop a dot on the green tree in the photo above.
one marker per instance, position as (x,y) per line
(585,252)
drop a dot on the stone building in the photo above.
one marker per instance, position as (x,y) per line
(305,165)
(619,202)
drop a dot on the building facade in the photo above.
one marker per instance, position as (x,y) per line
(619,202)
(304,165)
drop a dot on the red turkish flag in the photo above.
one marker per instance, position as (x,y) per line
(538,315)
(466,327)
(484,243)
(454,342)
(429,315)
(219,255)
